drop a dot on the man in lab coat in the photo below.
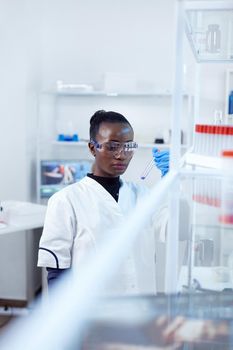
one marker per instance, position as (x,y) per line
(81,216)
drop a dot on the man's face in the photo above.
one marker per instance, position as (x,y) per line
(107,163)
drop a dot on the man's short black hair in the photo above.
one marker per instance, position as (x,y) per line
(102,116)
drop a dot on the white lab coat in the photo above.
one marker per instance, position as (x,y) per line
(78,220)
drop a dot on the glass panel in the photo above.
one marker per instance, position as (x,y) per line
(208,264)
(211,34)
(143,323)
(200,316)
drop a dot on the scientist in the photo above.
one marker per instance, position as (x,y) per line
(81,215)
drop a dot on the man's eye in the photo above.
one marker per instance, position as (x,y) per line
(128,147)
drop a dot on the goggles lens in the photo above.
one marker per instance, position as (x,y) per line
(116,147)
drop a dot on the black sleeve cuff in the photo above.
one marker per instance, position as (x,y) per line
(54,274)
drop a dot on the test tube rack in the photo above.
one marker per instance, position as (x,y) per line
(211,140)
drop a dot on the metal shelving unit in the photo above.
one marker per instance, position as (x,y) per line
(208,26)
(51,102)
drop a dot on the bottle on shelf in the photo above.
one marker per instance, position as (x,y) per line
(230,108)
(66,131)
(213,38)
(218,117)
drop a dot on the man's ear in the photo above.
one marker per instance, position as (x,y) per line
(92,148)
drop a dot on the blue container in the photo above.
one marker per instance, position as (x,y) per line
(62,137)
(230,103)
(75,138)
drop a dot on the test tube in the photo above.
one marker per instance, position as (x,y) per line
(147,169)
(218,117)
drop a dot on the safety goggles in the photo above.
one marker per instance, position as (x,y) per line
(114,148)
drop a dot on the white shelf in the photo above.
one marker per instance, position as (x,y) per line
(70,92)
(159,145)
(203,161)
(151,145)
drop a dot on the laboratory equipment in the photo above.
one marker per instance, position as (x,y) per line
(213,38)
(149,166)
(66,131)
(68,137)
(159,138)
(230,103)
(160,159)
(210,139)
(208,191)
(147,169)
(218,117)
(71,87)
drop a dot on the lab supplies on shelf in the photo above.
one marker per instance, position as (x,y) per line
(230,103)
(210,140)
(71,87)
(66,131)
(218,191)
(207,191)
(209,30)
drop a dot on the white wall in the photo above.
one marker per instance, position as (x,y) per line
(85,38)
(78,41)
(19,79)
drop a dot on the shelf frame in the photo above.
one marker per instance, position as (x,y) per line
(205,5)
(203,161)
(182,27)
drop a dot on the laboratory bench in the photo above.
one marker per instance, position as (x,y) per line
(20,279)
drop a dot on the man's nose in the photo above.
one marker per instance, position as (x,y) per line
(120,153)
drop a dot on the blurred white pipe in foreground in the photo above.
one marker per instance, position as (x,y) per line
(61,324)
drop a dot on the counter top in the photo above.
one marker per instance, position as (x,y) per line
(20,216)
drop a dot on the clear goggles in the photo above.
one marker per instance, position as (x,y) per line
(115,148)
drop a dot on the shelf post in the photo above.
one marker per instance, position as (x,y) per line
(171,276)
